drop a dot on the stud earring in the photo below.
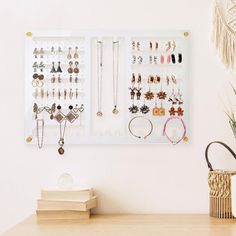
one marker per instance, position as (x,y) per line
(59,70)
(156,45)
(162,59)
(70,69)
(140,60)
(155,59)
(134,59)
(76,69)
(41,77)
(150,45)
(138,46)
(76,54)
(69,56)
(173,58)
(180,58)
(53,70)
(150,59)
(168,59)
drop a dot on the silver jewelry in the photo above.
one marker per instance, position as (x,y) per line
(99,73)
(115,75)
(138,136)
(40,124)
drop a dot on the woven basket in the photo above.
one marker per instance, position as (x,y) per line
(220,188)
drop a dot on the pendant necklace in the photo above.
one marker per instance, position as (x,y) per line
(115,48)
(40,124)
(61,142)
(99,74)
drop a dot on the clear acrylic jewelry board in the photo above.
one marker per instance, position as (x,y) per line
(135,58)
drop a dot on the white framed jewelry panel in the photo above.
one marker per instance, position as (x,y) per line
(110,128)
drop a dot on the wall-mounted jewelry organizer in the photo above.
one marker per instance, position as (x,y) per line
(106,87)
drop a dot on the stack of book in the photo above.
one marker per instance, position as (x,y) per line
(66,204)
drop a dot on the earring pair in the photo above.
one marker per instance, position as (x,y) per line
(71,69)
(53,79)
(54,70)
(76,54)
(38,52)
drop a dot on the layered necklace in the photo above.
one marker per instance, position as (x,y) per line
(115,50)
(99,74)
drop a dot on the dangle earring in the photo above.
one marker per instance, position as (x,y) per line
(53,79)
(59,79)
(180,58)
(71,94)
(59,70)
(173,45)
(41,66)
(35,52)
(53,70)
(168,46)
(41,52)
(138,46)
(76,93)
(69,56)
(161,95)
(70,69)
(76,79)
(138,94)
(76,69)
(149,95)
(173,58)
(179,97)
(76,54)
(133,45)
(52,50)
(70,79)
(134,59)
(132,88)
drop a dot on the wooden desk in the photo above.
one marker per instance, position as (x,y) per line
(131,225)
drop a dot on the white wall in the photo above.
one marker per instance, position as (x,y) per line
(136,179)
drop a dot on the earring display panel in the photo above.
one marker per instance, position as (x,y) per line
(106,88)
(157,88)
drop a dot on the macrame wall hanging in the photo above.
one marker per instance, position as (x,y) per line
(224,31)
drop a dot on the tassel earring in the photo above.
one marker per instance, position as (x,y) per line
(53,70)
(59,70)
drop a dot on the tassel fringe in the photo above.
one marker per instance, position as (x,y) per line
(224,39)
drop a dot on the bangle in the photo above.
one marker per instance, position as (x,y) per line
(138,136)
(184,133)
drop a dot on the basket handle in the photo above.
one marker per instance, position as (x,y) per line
(223,144)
